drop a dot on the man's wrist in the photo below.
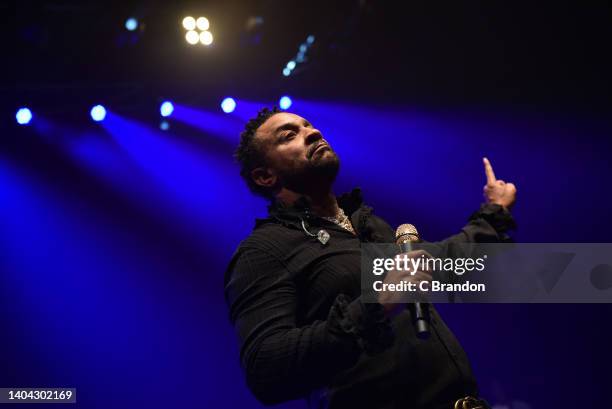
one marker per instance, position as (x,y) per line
(498,216)
(504,206)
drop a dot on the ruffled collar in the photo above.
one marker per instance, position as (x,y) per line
(349,202)
(300,210)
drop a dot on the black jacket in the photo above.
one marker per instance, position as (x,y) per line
(304,332)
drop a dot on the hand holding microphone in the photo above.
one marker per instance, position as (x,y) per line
(395,302)
(405,236)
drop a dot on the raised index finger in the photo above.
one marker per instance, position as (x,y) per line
(489,171)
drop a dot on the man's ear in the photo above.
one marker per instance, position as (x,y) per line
(264,177)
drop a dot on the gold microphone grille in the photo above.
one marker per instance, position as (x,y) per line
(406,232)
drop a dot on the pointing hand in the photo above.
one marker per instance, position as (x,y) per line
(497,191)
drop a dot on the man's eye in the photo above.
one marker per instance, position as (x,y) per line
(289,135)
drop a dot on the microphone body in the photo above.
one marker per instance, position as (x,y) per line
(405,236)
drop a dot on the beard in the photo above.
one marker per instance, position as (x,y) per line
(317,173)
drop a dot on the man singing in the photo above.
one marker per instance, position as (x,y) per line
(294,294)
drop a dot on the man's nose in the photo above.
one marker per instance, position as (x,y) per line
(313,136)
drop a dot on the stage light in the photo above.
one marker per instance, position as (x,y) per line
(166,108)
(202,23)
(164,125)
(285,102)
(189,23)
(228,105)
(197,31)
(192,37)
(23,116)
(206,37)
(131,24)
(98,113)
(300,57)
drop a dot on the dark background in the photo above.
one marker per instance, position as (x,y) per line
(114,236)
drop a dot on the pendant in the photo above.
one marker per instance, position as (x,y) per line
(323,236)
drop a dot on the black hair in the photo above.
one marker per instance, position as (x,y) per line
(249,154)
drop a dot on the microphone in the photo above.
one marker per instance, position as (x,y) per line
(405,235)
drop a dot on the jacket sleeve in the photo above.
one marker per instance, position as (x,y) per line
(282,360)
(489,224)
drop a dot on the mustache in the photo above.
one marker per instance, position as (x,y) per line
(314,148)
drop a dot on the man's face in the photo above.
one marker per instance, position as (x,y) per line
(296,153)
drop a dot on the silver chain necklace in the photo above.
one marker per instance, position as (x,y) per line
(341,220)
